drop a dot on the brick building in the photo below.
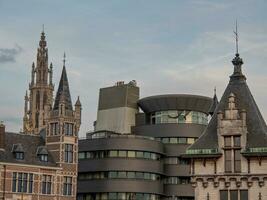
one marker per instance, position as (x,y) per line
(41,162)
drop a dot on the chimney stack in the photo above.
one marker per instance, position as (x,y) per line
(2,136)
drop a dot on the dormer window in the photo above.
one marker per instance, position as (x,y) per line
(43,157)
(18,151)
(42,153)
(19,155)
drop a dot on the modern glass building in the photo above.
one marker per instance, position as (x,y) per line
(146,163)
(176,121)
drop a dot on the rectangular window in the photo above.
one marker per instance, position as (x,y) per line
(67,186)
(81,155)
(227,141)
(22,182)
(147,176)
(140,154)
(182,140)
(243,194)
(147,155)
(54,128)
(46,184)
(131,154)
(130,174)
(237,142)
(68,129)
(165,140)
(224,195)
(228,160)
(113,174)
(122,154)
(68,153)
(122,175)
(30,183)
(14,182)
(190,140)
(237,163)
(233,195)
(19,155)
(173,140)
(112,196)
(113,154)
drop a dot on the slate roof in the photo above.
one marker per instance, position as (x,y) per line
(63,92)
(30,146)
(257,130)
(214,104)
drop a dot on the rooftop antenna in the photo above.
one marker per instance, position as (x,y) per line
(236,37)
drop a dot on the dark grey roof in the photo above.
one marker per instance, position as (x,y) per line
(63,92)
(17,148)
(214,104)
(257,131)
(42,150)
(29,144)
(175,102)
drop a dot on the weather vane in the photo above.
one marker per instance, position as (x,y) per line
(236,37)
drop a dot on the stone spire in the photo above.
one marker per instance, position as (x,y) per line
(63,92)
(42,61)
(41,90)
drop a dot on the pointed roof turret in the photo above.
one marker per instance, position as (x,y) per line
(214,104)
(78,102)
(63,92)
(257,130)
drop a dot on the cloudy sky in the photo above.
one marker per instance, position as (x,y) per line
(167,46)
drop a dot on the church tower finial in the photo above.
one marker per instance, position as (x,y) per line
(236,37)
(64,59)
(237,61)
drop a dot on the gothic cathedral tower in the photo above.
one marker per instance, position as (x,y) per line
(41,89)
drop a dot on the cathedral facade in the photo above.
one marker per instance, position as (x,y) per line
(229,160)
(41,162)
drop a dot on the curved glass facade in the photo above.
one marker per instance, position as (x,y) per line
(118,196)
(177,180)
(177,140)
(119,154)
(119,175)
(178,116)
